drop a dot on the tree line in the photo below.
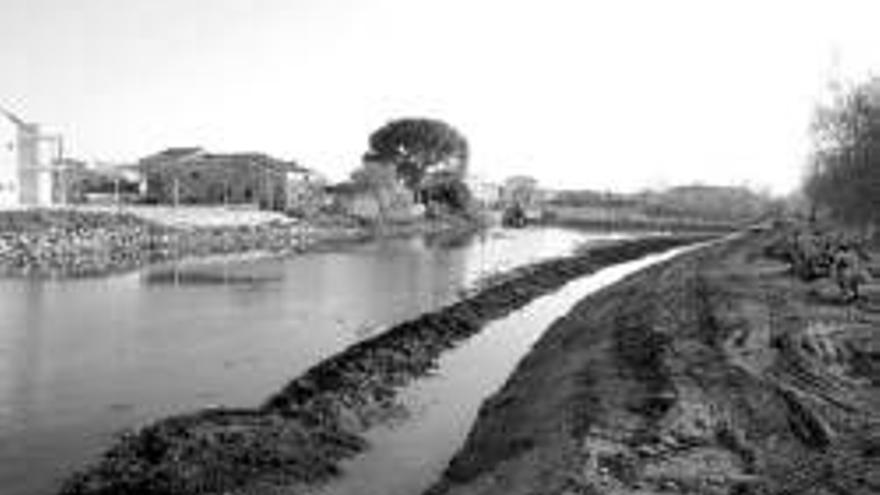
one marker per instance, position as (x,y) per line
(843,180)
(426,157)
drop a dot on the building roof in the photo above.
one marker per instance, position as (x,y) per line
(172,154)
(195,156)
(15,119)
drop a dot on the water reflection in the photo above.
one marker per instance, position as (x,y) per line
(414,429)
(445,240)
(20,361)
(82,359)
(181,276)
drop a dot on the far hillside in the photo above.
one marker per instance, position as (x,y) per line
(686,207)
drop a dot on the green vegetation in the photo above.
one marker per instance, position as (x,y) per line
(843,183)
(710,203)
(694,207)
(429,156)
(814,253)
(416,146)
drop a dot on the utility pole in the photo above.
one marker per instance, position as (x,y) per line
(270,193)
(176,191)
(62,170)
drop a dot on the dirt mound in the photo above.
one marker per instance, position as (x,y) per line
(717,373)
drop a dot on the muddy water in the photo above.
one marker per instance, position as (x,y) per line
(83,359)
(409,450)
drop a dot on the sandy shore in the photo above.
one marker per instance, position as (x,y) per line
(715,373)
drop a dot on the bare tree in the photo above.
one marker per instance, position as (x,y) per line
(844,174)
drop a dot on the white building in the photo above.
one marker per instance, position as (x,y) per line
(27,163)
(486,193)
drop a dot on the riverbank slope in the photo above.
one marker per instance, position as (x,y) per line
(298,436)
(714,373)
(94,241)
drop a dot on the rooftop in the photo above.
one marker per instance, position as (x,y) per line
(199,157)
(15,119)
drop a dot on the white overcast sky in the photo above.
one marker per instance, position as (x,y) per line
(612,95)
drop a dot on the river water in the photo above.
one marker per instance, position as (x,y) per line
(409,452)
(81,360)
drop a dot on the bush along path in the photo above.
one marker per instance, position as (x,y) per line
(299,435)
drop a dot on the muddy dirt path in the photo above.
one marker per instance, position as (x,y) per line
(714,373)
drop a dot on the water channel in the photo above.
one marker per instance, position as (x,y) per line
(83,359)
(410,450)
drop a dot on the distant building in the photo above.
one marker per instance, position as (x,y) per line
(486,194)
(68,180)
(520,189)
(194,176)
(29,163)
(103,183)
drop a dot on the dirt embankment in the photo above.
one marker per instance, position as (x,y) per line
(73,243)
(715,373)
(299,435)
